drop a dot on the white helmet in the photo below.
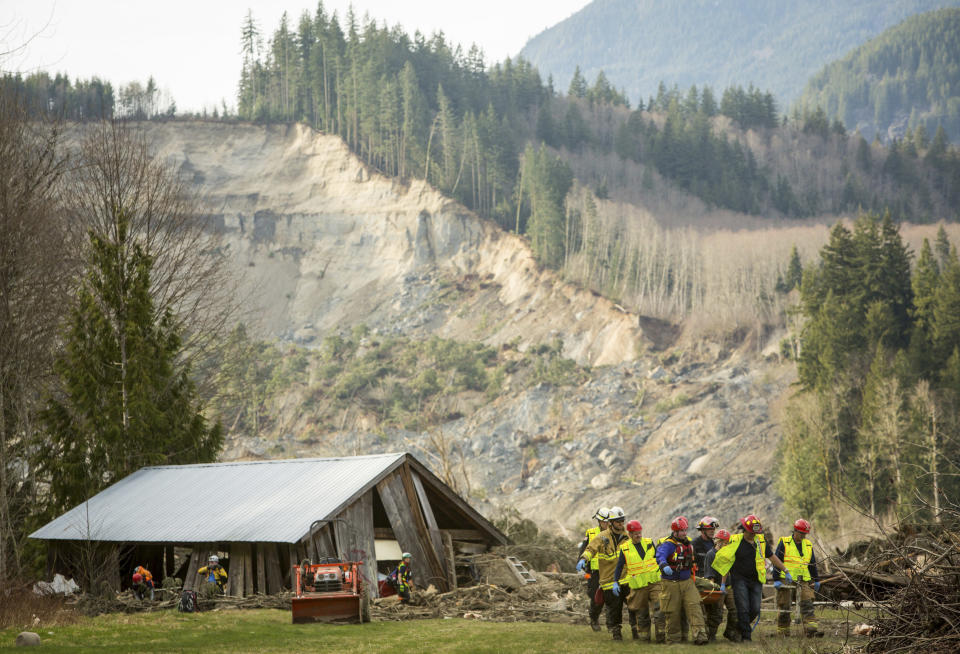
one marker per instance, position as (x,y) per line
(603,513)
(214,558)
(616,513)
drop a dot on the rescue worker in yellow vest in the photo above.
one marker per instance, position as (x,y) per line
(605,546)
(712,613)
(637,564)
(593,573)
(732,631)
(679,592)
(743,558)
(796,552)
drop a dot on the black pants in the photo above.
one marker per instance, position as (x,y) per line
(613,606)
(593,583)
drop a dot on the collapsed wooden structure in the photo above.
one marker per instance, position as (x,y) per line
(262,518)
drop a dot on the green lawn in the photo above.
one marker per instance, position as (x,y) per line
(267,630)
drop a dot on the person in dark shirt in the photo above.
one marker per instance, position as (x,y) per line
(712,613)
(732,631)
(743,558)
(593,574)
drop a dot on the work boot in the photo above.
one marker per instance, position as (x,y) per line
(813,632)
(711,634)
(661,637)
(701,639)
(616,634)
(636,633)
(595,625)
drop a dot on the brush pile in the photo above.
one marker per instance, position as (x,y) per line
(555,597)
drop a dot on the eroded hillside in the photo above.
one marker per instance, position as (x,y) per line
(324,244)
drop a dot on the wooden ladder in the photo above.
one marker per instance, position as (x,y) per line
(520,569)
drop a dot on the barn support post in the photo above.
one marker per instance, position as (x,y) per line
(353,529)
(408,524)
(273,575)
(435,537)
(261,569)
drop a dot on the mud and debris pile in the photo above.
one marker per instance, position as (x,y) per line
(553,597)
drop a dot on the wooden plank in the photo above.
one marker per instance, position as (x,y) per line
(248,572)
(411,534)
(190,578)
(430,520)
(464,534)
(434,557)
(235,575)
(383,533)
(353,529)
(321,544)
(274,575)
(292,563)
(261,570)
(451,560)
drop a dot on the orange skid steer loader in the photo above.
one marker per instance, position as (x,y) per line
(329,592)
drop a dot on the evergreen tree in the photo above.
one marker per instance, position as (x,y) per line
(578,85)
(126,401)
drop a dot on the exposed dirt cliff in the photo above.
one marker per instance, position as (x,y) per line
(324,243)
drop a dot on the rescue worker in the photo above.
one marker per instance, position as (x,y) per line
(214,573)
(605,546)
(679,592)
(712,613)
(593,576)
(638,557)
(743,558)
(402,578)
(732,631)
(796,552)
(143,584)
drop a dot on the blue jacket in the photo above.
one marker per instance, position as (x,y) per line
(664,554)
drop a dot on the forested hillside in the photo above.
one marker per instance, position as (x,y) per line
(908,77)
(773,45)
(879,365)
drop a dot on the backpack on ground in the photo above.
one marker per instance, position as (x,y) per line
(188,602)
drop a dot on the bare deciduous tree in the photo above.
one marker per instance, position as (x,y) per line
(34,277)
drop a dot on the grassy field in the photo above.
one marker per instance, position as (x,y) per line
(267,630)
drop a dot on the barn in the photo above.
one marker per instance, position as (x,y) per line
(264,517)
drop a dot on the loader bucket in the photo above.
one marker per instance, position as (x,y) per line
(326,608)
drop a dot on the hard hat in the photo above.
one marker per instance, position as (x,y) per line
(679,524)
(634,525)
(722,534)
(214,558)
(616,513)
(603,513)
(752,524)
(406,555)
(802,526)
(137,578)
(708,522)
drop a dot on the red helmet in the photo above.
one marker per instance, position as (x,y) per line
(802,526)
(708,522)
(137,578)
(634,525)
(722,534)
(752,524)
(679,524)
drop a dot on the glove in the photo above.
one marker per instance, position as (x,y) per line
(667,570)
(723,587)
(816,586)
(777,584)
(580,565)
(789,578)
(616,588)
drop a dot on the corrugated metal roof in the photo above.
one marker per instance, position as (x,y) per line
(268,501)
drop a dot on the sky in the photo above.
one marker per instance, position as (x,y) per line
(192,48)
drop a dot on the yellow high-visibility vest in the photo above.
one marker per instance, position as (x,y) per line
(723,561)
(591,532)
(641,570)
(797,562)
